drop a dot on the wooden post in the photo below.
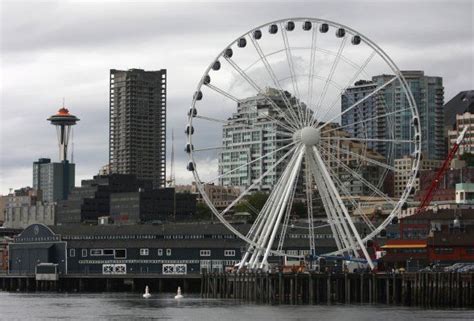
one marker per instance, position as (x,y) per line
(328,289)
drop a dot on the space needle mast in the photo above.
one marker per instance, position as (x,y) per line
(63,121)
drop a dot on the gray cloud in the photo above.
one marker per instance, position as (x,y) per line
(51,50)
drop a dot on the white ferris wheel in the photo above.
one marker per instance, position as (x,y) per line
(310,111)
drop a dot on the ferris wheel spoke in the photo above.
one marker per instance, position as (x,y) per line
(248,163)
(367,159)
(257,181)
(331,74)
(312,61)
(289,58)
(349,83)
(359,102)
(337,225)
(250,126)
(365,120)
(395,141)
(349,197)
(364,181)
(343,58)
(223,93)
(293,121)
(276,83)
(354,235)
(203,149)
(216,120)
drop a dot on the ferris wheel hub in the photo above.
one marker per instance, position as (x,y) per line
(309,136)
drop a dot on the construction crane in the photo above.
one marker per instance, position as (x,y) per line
(434,185)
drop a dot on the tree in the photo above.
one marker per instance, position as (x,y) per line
(468,158)
(251,203)
(203,212)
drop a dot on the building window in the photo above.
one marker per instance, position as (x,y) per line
(96,252)
(205,252)
(84,252)
(72,252)
(443,250)
(229,252)
(160,252)
(168,252)
(121,254)
(144,252)
(108,252)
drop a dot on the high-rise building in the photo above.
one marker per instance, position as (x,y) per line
(428,93)
(137,133)
(251,134)
(461,103)
(462,121)
(403,172)
(459,113)
(354,120)
(55,180)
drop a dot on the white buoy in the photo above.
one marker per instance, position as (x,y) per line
(178,295)
(147,294)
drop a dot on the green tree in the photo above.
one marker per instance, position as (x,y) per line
(252,204)
(203,212)
(468,158)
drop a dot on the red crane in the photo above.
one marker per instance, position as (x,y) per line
(434,185)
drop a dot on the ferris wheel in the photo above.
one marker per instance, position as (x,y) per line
(306,111)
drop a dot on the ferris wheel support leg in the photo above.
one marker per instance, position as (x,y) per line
(340,236)
(287,194)
(276,195)
(342,207)
(309,205)
(285,187)
(262,231)
(257,227)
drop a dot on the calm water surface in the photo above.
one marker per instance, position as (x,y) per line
(126,306)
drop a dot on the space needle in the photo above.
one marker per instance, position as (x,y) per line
(63,121)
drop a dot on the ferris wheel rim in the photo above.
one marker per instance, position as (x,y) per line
(412,108)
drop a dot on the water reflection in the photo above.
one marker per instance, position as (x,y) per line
(163,306)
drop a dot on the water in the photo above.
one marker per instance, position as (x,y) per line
(126,306)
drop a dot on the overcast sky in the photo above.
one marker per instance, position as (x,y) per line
(51,50)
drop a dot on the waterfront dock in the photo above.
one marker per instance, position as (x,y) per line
(428,290)
(102,283)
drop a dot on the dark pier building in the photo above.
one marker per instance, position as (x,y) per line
(146,249)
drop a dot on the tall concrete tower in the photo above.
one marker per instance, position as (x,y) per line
(63,121)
